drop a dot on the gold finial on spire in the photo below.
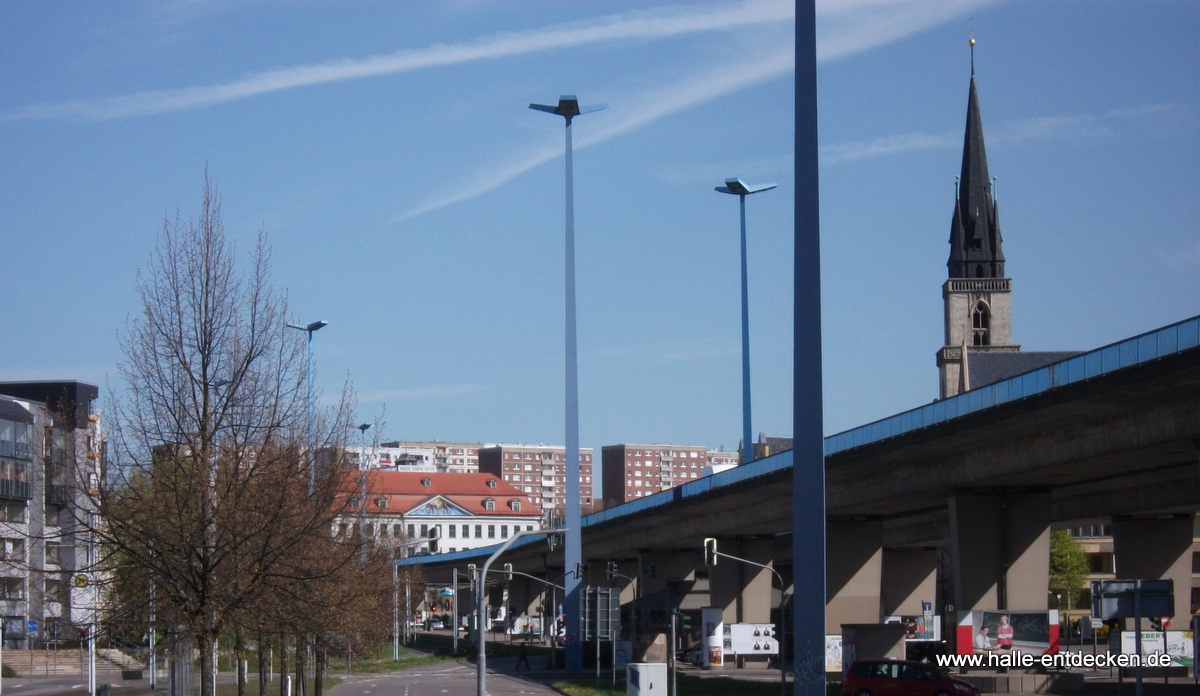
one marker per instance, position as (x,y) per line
(972,34)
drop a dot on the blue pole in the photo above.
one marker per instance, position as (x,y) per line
(747,443)
(808,477)
(312,464)
(572,552)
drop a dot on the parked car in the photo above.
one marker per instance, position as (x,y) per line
(902,678)
(435,624)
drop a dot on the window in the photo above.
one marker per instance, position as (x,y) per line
(12,549)
(491,483)
(381,503)
(12,588)
(453,531)
(412,532)
(528,467)
(426,482)
(489,504)
(529,527)
(981,320)
(491,531)
(479,531)
(514,505)
(504,531)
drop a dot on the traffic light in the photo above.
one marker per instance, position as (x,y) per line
(612,570)
(472,575)
(506,573)
(710,551)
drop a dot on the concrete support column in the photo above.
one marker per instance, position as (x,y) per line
(1157,548)
(1000,549)
(854,570)
(909,578)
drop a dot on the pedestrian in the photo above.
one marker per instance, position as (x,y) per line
(524,656)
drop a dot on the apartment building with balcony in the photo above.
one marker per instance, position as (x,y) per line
(636,471)
(49,439)
(539,471)
(452,457)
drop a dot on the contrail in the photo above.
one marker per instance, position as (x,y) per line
(851,27)
(639,25)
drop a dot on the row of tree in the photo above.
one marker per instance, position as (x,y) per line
(209,520)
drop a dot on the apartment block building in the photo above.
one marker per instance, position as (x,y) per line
(539,471)
(451,457)
(49,439)
(636,471)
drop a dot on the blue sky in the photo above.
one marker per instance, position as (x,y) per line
(415,202)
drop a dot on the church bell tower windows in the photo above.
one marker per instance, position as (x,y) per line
(981,320)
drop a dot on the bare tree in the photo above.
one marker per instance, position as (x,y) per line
(206,495)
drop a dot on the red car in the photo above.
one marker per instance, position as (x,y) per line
(902,678)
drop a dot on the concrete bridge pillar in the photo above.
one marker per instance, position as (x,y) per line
(741,590)
(1000,549)
(909,578)
(854,570)
(1157,548)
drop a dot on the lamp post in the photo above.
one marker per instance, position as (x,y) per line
(741,189)
(481,607)
(568,107)
(308,426)
(362,481)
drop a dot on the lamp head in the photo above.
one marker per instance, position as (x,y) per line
(568,107)
(364,427)
(740,188)
(316,325)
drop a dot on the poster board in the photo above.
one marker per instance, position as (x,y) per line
(1035,632)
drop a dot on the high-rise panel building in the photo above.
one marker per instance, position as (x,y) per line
(539,471)
(636,471)
(450,457)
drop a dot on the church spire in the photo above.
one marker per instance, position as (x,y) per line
(975,241)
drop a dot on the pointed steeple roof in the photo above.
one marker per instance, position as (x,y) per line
(975,241)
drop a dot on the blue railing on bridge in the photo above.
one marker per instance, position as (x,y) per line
(1140,349)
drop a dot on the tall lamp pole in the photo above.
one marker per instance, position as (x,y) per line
(741,189)
(568,107)
(362,500)
(308,426)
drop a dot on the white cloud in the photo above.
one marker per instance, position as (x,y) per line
(1015,132)
(845,27)
(639,25)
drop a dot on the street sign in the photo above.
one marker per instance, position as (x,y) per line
(1097,623)
(1114,599)
(600,612)
(31,625)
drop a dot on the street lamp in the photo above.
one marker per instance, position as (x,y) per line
(312,466)
(741,189)
(568,107)
(481,608)
(362,499)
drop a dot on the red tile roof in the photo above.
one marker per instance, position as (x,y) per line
(406,490)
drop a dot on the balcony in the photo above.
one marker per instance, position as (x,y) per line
(57,495)
(14,489)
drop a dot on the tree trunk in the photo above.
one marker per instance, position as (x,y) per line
(318,682)
(262,664)
(238,649)
(283,665)
(301,663)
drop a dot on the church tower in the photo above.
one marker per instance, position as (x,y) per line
(978,316)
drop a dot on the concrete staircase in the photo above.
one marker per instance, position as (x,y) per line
(69,663)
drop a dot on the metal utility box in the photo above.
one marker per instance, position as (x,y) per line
(646,679)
